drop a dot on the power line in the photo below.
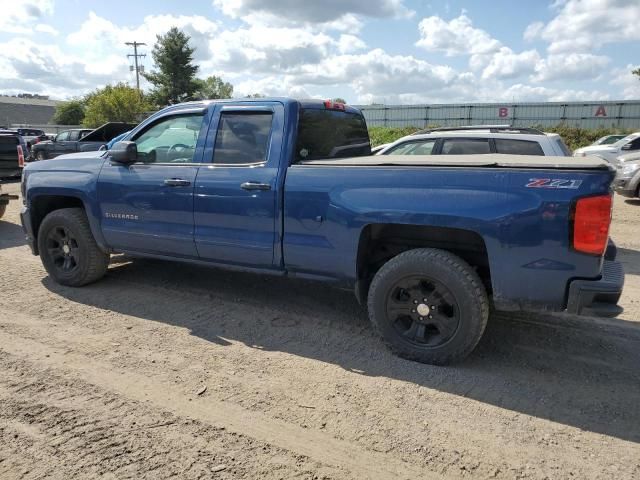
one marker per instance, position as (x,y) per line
(135,55)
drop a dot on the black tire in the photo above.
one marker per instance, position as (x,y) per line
(81,262)
(455,306)
(41,155)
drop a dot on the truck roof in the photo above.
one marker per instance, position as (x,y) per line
(482,160)
(304,103)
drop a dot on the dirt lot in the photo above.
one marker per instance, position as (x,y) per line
(109,380)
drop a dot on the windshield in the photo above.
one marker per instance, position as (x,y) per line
(626,140)
(331,134)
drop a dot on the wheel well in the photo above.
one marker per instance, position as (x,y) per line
(43,205)
(381,242)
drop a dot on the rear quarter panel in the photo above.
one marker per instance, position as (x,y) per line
(526,230)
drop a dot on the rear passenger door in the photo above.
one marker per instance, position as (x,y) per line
(236,203)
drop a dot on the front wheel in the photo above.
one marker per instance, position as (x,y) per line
(41,155)
(68,250)
(428,305)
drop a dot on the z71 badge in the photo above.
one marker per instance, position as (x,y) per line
(553,183)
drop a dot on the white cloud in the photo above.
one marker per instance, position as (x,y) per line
(456,37)
(18,15)
(98,36)
(533,30)
(626,84)
(505,63)
(34,67)
(315,12)
(584,25)
(43,28)
(573,66)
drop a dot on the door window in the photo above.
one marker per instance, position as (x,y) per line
(171,140)
(413,148)
(62,137)
(518,147)
(242,138)
(73,136)
(465,146)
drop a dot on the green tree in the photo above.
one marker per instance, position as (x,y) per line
(114,103)
(175,78)
(211,88)
(339,100)
(69,113)
(255,95)
(636,72)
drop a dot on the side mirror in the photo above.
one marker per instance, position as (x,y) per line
(124,152)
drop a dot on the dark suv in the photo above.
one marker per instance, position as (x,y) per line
(13,149)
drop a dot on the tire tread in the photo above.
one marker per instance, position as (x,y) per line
(472,284)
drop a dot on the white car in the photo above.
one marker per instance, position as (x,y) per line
(479,139)
(628,144)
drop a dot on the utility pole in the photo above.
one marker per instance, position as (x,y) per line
(135,55)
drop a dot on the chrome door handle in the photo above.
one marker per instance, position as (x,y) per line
(255,186)
(177,182)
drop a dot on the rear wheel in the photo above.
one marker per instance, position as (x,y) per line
(68,250)
(40,155)
(428,305)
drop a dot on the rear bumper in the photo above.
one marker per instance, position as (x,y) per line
(598,297)
(25,219)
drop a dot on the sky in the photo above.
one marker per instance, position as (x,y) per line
(365,51)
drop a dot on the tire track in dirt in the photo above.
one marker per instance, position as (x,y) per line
(318,446)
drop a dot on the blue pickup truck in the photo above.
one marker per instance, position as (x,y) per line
(288,187)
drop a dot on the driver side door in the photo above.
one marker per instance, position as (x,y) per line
(147,206)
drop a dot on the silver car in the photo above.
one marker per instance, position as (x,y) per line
(627,182)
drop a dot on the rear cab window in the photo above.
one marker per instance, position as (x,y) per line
(327,133)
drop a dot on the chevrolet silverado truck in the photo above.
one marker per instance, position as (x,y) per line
(285,187)
(77,140)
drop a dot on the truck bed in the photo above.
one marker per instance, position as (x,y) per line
(484,160)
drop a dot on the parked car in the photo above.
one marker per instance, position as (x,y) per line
(628,144)
(287,187)
(13,149)
(4,201)
(608,139)
(379,148)
(31,135)
(627,182)
(78,140)
(479,139)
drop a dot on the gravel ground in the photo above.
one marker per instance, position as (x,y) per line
(165,370)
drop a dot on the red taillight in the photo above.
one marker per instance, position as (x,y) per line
(330,105)
(20,156)
(591,224)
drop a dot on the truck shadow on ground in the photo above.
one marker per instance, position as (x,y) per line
(579,372)
(630,259)
(11,235)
